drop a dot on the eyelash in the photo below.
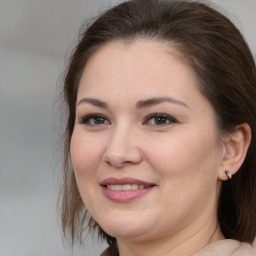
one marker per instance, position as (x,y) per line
(86,120)
(166,118)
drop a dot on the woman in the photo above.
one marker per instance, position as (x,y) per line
(161,132)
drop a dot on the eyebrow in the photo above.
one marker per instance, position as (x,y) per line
(155,101)
(94,102)
(139,105)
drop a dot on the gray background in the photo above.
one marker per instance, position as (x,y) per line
(35,39)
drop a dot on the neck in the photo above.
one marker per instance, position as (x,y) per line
(182,243)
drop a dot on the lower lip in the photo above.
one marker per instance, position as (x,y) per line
(125,196)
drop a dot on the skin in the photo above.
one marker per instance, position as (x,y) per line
(185,159)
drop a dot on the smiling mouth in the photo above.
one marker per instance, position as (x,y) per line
(125,190)
(127,187)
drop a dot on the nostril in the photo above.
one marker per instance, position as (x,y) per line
(119,158)
(107,162)
(119,164)
(127,163)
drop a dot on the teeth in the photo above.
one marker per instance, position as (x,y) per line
(126,187)
(135,186)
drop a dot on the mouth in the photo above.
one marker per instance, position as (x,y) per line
(125,189)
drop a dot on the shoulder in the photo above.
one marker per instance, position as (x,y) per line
(227,247)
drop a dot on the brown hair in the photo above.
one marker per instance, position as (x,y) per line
(223,63)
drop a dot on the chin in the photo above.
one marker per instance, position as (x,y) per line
(125,228)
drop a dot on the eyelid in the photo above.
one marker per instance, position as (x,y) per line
(84,119)
(155,115)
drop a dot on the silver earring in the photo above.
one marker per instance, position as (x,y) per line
(229,175)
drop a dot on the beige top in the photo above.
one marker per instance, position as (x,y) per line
(227,247)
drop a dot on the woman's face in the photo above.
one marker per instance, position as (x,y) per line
(145,148)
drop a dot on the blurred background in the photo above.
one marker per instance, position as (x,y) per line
(36,38)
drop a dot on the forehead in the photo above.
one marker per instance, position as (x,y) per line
(145,64)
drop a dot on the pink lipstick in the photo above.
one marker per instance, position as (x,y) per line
(125,190)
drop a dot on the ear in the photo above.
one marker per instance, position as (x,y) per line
(235,150)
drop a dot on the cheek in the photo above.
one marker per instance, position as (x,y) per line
(187,167)
(185,156)
(85,154)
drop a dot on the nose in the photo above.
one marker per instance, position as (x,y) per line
(122,148)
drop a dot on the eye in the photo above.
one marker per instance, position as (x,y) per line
(159,119)
(94,120)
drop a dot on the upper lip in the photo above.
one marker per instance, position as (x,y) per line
(123,181)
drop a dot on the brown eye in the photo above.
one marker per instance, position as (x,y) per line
(159,119)
(94,120)
(98,120)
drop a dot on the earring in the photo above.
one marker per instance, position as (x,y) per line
(229,175)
